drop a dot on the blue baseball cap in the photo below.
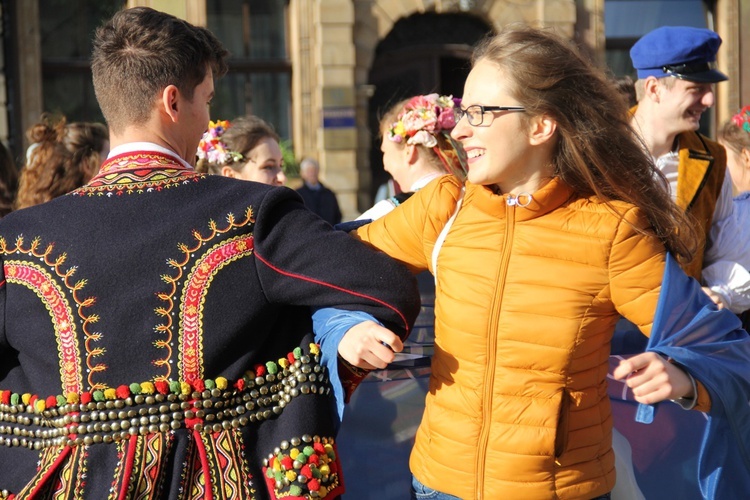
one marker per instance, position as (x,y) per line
(680,51)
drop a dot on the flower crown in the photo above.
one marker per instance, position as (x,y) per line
(212,148)
(742,119)
(422,118)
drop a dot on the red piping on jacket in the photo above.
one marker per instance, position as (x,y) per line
(329,285)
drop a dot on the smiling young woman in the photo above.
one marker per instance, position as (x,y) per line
(562,227)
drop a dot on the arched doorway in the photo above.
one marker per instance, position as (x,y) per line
(423,53)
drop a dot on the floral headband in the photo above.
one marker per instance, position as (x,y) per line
(212,148)
(742,119)
(422,118)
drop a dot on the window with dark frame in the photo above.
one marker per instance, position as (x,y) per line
(66,29)
(260,71)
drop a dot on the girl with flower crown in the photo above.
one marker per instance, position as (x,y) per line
(563,226)
(417,146)
(729,279)
(246,148)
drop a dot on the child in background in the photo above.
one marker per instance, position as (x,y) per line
(246,148)
(723,277)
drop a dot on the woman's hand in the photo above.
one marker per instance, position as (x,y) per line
(652,378)
(369,346)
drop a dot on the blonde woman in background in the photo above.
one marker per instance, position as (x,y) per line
(417,146)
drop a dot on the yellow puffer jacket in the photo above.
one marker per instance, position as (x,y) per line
(527,300)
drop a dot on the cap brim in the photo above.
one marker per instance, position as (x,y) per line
(710,76)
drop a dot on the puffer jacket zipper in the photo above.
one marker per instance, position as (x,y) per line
(489,375)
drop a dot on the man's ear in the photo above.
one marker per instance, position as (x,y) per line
(542,129)
(170,101)
(651,88)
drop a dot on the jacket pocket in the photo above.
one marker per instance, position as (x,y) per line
(561,434)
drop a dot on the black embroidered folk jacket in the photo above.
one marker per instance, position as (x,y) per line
(156,341)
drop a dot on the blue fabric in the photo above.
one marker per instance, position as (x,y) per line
(675,45)
(719,356)
(330,325)
(351,225)
(711,345)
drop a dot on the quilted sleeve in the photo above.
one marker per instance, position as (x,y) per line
(636,269)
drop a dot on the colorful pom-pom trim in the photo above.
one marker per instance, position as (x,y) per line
(303,469)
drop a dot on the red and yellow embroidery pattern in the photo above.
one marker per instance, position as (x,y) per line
(47,459)
(61,473)
(41,283)
(72,477)
(227,467)
(145,458)
(138,173)
(193,294)
(48,288)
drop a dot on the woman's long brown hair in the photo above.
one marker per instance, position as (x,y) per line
(64,157)
(598,153)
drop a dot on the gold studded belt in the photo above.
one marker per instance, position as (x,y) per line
(153,407)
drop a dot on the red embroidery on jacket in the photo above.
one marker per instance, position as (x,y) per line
(191,291)
(193,299)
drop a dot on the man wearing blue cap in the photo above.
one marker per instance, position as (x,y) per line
(676,68)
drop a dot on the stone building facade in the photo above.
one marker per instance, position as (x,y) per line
(347,59)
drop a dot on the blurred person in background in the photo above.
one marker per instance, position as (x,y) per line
(317,197)
(731,280)
(62,157)
(246,148)
(417,147)
(382,417)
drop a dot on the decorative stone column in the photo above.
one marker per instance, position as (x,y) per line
(322,52)
(730,21)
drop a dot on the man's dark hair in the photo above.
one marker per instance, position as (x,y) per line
(141,51)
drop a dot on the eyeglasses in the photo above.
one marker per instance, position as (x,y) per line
(475,113)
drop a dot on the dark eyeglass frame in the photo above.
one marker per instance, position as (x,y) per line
(459,113)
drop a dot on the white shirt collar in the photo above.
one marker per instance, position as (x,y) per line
(424,181)
(144,146)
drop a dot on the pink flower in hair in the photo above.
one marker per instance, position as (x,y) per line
(422,118)
(212,148)
(447,120)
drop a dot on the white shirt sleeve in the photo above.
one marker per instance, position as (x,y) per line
(728,270)
(722,244)
(731,281)
(378,210)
